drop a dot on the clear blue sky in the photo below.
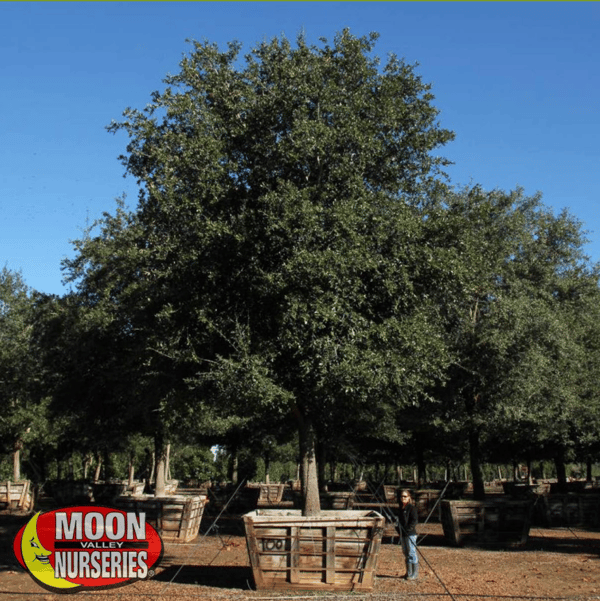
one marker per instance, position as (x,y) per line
(518,82)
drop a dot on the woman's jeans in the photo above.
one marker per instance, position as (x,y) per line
(409,548)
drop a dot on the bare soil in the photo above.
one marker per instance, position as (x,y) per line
(554,564)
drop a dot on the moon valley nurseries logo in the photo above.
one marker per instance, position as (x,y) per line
(81,548)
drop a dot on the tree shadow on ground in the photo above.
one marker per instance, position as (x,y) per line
(229,577)
(10,524)
(557,540)
(569,543)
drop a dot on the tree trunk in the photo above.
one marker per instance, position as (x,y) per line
(107,466)
(233,466)
(321,456)
(98,467)
(131,470)
(475,463)
(310,480)
(421,467)
(161,453)
(17,461)
(168,463)
(561,470)
(152,468)
(588,469)
(267,460)
(87,462)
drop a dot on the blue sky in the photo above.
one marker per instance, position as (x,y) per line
(519,83)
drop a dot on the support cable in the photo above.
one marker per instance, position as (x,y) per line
(186,561)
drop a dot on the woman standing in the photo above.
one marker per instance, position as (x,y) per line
(407,521)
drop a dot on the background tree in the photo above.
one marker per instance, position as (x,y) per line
(510,333)
(587,413)
(22,417)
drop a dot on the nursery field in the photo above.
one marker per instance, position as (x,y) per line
(556,563)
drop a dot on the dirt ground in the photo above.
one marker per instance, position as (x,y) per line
(555,564)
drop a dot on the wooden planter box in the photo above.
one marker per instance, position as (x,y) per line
(390,492)
(71,492)
(335,551)
(521,490)
(106,492)
(245,500)
(425,501)
(497,522)
(171,487)
(137,488)
(568,510)
(270,494)
(576,486)
(176,518)
(16,495)
(337,500)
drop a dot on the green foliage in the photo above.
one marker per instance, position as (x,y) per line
(16,364)
(512,325)
(23,415)
(192,463)
(295,254)
(273,264)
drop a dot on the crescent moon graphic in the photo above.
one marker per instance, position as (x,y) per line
(37,559)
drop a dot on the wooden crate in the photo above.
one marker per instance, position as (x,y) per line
(337,500)
(494,522)
(16,495)
(70,492)
(171,487)
(336,550)
(270,494)
(425,501)
(570,509)
(245,500)
(390,492)
(136,488)
(106,492)
(176,518)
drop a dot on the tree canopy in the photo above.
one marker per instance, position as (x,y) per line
(274,261)
(297,256)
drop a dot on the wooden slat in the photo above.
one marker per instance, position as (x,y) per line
(330,555)
(253,551)
(372,554)
(294,555)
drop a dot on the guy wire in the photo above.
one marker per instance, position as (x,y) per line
(203,537)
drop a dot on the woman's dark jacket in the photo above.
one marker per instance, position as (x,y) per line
(408,519)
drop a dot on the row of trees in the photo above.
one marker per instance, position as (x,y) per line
(298,264)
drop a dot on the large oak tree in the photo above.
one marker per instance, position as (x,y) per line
(275,261)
